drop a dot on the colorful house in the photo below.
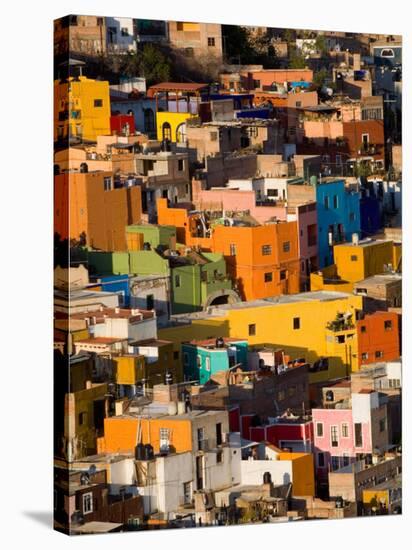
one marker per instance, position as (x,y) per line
(338,216)
(348,428)
(183,102)
(82,109)
(98,211)
(355,262)
(203,358)
(378,337)
(262,259)
(298,324)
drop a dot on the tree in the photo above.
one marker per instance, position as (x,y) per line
(155,67)
(320,44)
(296,59)
(319,78)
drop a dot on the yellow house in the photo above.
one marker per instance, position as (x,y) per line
(182,103)
(129,369)
(81,108)
(303,473)
(355,262)
(172,126)
(297,323)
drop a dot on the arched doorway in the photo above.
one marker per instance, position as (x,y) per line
(181,133)
(221,297)
(166,131)
(149,122)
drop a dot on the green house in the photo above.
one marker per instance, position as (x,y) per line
(202,359)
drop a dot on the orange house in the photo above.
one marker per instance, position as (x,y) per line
(88,203)
(378,337)
(121,434)
(263,260)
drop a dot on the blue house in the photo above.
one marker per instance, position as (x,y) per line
(338,212)
(119,284)
(202,359)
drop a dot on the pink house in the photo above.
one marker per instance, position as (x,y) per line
(236,200)
(348,431)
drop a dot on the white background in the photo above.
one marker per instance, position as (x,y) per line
(26,268)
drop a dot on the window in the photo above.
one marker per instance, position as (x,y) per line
(179,26)
(200,438)
(268,277)
(150,301)
(388,52)
(219,457)
(198,361)
(326,203)
(180,166)
(273,192)
(298,104)
(382,424)
(340,339)
(124,31)
(345,429)
(286,246)
(387,325)
(266,250)
(87,499)
(364,356)
(203,276)
(219,438)
(82,418)
(256,83)
(363,328)
(334,436)
(358,435)
(98,102)
(185,359)
(252,330)
(354,258)
(335,463)
(166,131)
(345,460)
(177,281)
(335,201)
(232,248)
(378,354)
(321,460)
(164,443)
(283,274)
(338,159)
(213,136)
(319,429)
(175,356)
(107,183)
(207,364)
(187,492)
(211,41)
(296,323)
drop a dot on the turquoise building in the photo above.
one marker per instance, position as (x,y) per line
(202,359)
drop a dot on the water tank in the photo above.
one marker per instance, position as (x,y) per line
(267,478)
(139,451)
(172,408)
(339,502)
(220,343)
(84,168)
(181,407)
(148,451)
(355,238)
(314,180)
